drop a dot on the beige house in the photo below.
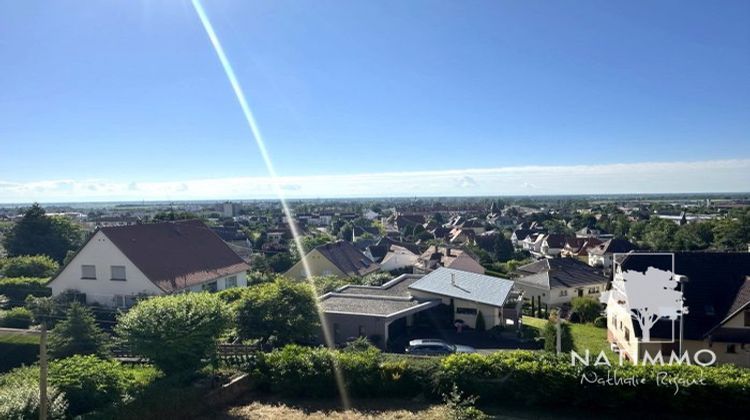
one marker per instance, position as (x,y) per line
(118,264)
(716,291)
(339,259)
(555,282)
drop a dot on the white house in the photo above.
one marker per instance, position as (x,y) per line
(118,264)
(397,258)
(557,281)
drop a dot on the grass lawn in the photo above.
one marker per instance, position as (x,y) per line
(585,336)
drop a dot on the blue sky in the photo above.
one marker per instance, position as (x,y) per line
(126,99)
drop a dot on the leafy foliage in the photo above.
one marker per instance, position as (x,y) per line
(39,234)
(278,313)
(88,382)
(19,397)
(175,332)
(15,318)
(586,308)
(29,266)
(77,334)
(17,289)
(461,407)
(550,336)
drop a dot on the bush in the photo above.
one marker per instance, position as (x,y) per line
(15,318)
(550,336)
(17,350)
(601,322)
(29,266)
(16,289)
(278,313)
(88,382)
(480,326)
(77,334)
(19,397)
(175,332)
(587,309)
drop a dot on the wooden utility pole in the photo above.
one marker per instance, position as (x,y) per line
(43,373)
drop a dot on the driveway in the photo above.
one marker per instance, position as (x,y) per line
(480,340)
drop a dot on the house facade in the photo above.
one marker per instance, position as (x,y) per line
(555,282)
(118,264)
(716,291)
(339,259)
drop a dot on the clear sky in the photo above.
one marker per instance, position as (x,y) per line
(109,100)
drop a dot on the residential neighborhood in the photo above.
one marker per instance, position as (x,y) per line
(370,210)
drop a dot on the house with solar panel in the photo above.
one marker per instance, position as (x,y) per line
(444,296)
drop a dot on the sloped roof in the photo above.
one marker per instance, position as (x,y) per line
(176,255)
(465,285)
(612,246)
(716,281)
(347,258)
(559,272)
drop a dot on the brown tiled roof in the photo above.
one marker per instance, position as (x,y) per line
(347,258)
(176,255)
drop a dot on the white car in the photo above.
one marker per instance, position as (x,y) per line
(435,347)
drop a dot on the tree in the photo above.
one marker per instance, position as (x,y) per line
(651,297)
(29,266)
(480,326)
(550,335)
(176,332)
(586,308)
(77,334)
(503,248)
(38,234)
(278,313)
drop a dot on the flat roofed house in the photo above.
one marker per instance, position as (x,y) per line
(384,312)
(117,264)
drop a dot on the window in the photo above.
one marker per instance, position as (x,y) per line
(88,272)
(209,287)
(466,311)
(123,301)
(593,290)
(731,348)
(563,293)
(230,282)
(627,335)
(118,272)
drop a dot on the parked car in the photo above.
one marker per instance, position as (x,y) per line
(435,347)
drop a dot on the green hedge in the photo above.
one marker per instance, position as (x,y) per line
(518,378)
(17,350)
(15,318)
(17,288)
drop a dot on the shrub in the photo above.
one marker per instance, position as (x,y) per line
(19,397)
(77,334)
(601,322)
(88,382)
(460,407)
(17,350)
(232,294)
(175,332)
(298,371)
(586,308)
(29,266)
(550,336)
(479,326)
(278,313)
(15,318)
(16,289)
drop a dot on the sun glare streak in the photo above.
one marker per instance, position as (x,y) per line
(253,125)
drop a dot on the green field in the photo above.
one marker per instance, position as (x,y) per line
(585,336)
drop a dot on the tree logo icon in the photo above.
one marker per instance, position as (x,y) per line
(653,294)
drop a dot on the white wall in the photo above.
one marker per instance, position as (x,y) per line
(395,260)
(102,253)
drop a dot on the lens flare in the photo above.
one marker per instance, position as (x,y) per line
(253,125)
